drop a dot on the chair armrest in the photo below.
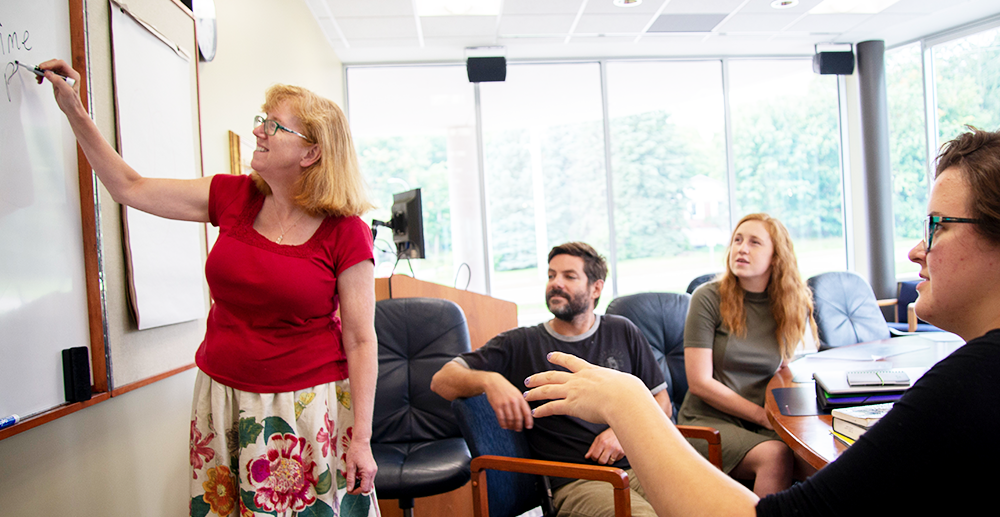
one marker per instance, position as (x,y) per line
(617,477)
(710,435)
(886,302)
(911,318)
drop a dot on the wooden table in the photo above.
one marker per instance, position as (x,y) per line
(809,436)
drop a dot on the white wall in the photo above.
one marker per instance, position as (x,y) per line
(129,455)
(261,43)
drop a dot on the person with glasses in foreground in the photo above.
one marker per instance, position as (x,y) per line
(932,452)
(279,423)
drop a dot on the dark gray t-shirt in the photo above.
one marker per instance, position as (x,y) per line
(613,342)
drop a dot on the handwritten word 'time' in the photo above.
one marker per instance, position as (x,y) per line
(10,42)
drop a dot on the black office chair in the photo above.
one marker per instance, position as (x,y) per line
(661,318)
(700,280)
(416,441)
(846,310)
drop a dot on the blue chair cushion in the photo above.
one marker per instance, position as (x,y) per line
(846,310)
(510,493)
(908,294)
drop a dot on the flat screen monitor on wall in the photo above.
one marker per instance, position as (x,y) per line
(408,224)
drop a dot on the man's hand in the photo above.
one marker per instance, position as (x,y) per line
(508,403)
(605,449)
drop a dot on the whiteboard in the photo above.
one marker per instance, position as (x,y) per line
(43,300)
(156,136)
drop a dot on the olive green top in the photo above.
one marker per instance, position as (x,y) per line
(743,364)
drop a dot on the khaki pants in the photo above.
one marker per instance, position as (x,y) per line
(586,498)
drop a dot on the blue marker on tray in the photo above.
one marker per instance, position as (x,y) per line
(41,73)
(9,421)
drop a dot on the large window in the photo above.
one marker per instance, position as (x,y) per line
(964,78)
(549,157)
(543,145)
(907,150)
(967,83)
(668,156)
(414,127)
(786,150)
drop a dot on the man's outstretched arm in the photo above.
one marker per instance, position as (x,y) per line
(454,381)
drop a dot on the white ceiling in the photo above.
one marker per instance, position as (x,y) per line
(388,31)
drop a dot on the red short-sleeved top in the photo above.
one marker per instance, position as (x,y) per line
(272,326)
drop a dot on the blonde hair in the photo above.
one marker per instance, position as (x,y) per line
(788,295)
(333,185)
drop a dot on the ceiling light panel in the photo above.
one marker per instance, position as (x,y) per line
(686,22)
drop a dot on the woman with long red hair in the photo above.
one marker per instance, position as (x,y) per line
(740,329)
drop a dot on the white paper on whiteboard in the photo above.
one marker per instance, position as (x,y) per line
(153,90)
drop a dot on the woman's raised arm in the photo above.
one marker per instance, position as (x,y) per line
(185,200)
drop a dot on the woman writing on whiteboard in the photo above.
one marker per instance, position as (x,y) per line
(279,423)
(739,331)
(927,454)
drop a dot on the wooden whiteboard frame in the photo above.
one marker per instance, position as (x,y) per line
(97,305)
(91,256)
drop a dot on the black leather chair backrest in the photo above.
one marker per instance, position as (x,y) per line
(846,310)
(661,317)
(700,280)
(416,336)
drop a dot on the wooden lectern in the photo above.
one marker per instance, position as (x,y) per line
(486,317)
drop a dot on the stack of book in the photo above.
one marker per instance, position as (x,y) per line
(851,422)
(846,389)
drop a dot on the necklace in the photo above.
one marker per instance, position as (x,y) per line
(283,230)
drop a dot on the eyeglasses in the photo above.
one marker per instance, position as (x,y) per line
(931,223)
(272,126)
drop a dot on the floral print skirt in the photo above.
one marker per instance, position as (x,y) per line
(278,454)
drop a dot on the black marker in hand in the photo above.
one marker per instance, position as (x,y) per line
(41,73)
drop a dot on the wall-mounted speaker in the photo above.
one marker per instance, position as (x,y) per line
(485,69)
(834,63)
